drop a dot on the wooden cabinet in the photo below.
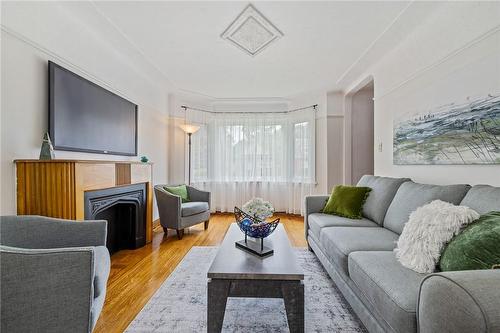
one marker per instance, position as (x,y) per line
(56,188)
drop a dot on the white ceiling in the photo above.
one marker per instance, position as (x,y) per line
(325,44)
(321,41)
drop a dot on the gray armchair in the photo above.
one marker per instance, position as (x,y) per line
(53,274)
(177,215)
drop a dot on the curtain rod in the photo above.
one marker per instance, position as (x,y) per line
(314,106)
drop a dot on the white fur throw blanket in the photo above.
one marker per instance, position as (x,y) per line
(427,231)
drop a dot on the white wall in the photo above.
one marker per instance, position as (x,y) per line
(335,140)
(32,35)
(453,54)
(177,147)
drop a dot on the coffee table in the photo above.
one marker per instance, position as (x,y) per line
(237,273)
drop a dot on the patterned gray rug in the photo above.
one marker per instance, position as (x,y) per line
(179,305)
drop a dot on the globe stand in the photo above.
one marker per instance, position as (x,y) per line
(254,247)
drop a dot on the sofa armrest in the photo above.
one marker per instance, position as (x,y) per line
(313,204)
(461,301)
(49,290)
(198,195)
(40,232)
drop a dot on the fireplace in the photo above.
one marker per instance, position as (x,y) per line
(124,207)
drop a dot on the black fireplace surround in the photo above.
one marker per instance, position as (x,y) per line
(124,208)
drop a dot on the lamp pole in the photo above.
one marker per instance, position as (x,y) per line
(189,159)
(189,129)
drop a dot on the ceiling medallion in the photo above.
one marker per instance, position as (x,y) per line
(251,31)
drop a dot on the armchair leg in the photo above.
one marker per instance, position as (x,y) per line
(206,224)
(180,233)
(165,231)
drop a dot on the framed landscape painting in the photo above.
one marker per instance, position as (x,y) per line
(464,132)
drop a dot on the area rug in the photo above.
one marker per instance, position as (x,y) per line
(180,303)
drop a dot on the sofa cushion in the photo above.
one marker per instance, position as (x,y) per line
(381,195)
(412,195)
(338,242)
(193,208)
(427,232)
(347,201)
(390,288)
(476,247)
(482,198)
(317,221)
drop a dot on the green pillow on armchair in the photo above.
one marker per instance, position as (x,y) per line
(180,191)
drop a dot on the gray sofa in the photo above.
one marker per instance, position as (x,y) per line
(53,274)
(387,297)
(174,214)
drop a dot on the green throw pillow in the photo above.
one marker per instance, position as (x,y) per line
(180,191)
(347,201)
(476,247)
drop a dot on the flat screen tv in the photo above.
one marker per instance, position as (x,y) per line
(85,117)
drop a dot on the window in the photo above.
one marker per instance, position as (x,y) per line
(302,152)
(274,148)
(199,155)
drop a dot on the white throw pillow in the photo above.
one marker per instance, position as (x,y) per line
(428,230)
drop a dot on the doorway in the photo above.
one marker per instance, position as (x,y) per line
(362,133)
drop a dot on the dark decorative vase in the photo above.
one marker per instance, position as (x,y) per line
(255,228)
(47,150)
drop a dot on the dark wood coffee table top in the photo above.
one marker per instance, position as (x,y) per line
(234,263)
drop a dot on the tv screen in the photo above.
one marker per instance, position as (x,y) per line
(88,118)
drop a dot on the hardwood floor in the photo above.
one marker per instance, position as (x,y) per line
(137,274)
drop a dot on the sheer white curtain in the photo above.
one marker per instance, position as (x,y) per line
(238,156)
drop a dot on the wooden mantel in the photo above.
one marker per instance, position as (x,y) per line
(56,188)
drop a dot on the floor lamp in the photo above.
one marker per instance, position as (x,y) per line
(189,130)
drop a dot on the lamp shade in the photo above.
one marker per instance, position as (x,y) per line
(189,128)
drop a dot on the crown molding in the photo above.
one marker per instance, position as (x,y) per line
(76,68)
(132,44)
(444,59)
(372,44)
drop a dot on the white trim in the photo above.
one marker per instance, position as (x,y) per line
(372,44)
(79,70)
(450,55)
(125,36)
